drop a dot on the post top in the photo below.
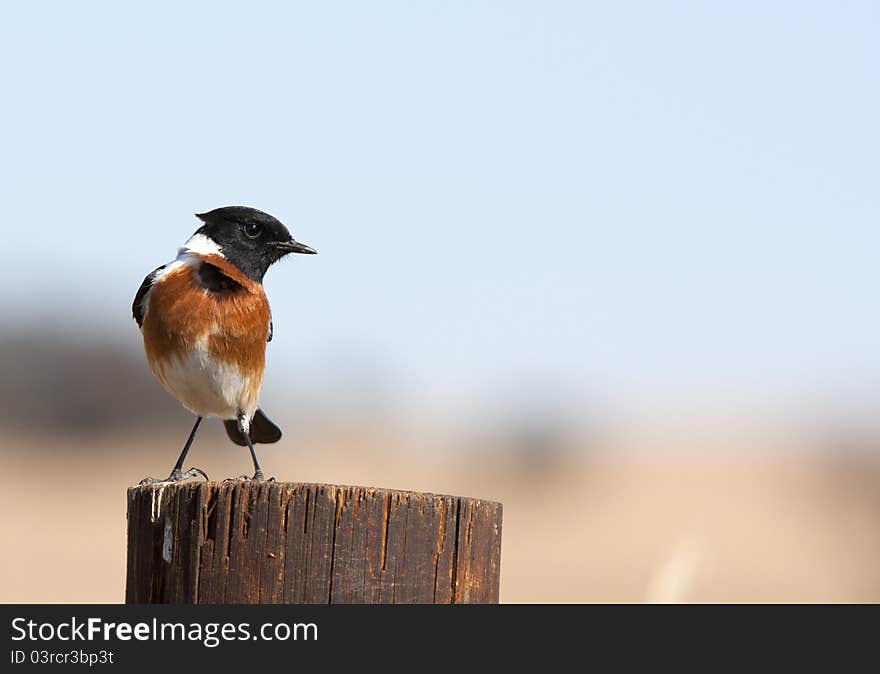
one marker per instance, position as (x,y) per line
(319,487)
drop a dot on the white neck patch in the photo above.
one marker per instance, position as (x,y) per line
(201,245)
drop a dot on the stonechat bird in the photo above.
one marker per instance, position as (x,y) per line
(206,321)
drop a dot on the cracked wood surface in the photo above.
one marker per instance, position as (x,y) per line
(293,543)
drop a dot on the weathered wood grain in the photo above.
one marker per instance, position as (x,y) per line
(292,543)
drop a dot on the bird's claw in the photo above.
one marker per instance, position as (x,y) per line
(257,477)
(177,475)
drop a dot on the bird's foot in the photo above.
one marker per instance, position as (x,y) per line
(258,477)
(177,475)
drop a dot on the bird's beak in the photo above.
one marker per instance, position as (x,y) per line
(293,246)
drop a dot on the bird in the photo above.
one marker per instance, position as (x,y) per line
(205,321)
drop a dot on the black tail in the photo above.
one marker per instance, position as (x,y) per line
(262,430)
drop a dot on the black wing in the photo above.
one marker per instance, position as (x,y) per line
(271,331)
(137,307)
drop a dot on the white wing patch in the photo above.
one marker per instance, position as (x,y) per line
(201,245)
(187,255)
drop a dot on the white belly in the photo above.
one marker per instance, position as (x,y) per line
(207,387)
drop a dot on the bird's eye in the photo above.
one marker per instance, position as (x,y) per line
(252,230)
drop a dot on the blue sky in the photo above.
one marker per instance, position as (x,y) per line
(627,196)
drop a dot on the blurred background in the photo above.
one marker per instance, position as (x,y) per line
(612,264)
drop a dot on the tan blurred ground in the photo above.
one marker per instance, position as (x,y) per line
(616,524)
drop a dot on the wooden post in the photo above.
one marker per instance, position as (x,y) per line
(291,543)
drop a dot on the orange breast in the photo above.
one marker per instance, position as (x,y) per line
(232,325)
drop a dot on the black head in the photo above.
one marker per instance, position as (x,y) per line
(250,239)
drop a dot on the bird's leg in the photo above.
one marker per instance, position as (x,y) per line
(242,426)
(177,473)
